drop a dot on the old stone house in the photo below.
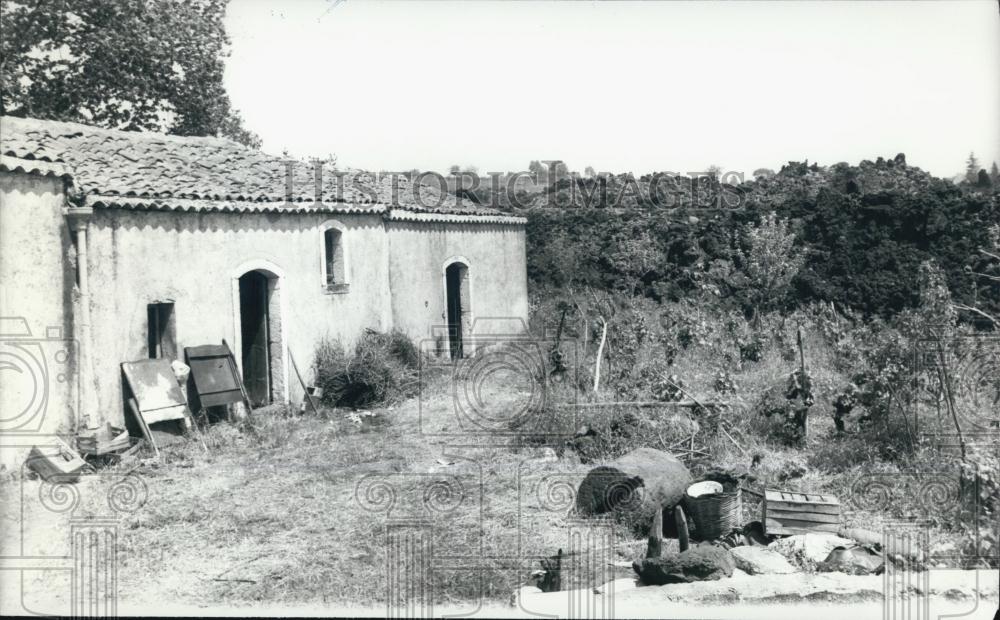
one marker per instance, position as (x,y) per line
(117,246)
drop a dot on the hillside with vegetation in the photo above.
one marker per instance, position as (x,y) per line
(861,232)
(825,322)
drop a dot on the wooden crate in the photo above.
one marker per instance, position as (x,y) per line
(800,513)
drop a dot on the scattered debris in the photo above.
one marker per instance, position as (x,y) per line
(104,440)
(895,547)
(750,535)
(856,560)
(807,550)
(360,416)
(56,463)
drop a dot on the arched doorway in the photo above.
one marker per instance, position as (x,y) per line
(260,336)
(456,276)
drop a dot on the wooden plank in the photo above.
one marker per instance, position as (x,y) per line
(134,408)
(221,398)
(165,414)
(777,529)
(772,526)
(790,497)
(207,350)
(302,383)
(816,517)
(831,509)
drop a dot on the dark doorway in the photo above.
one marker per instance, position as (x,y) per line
(456,280)
(161,331)
(254,330)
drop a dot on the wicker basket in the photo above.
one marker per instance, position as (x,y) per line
(714,515)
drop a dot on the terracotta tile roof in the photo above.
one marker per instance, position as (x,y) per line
(136,203)
(413,216)
(42,167)
(114,168)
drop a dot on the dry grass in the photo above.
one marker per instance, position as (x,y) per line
(273,511)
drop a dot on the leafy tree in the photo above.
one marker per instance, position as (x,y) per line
(454,169)
(772,261)
(763,173)
(590,172)
(971,168)
(557,170)
(995,174)
(126,64)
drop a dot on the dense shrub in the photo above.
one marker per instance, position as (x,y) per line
(381,369)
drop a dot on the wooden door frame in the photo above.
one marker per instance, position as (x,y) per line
(467,345)
(278,302)
(263,307)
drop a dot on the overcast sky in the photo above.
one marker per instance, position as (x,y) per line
(619,86)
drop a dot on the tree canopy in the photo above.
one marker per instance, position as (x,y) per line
(152,65)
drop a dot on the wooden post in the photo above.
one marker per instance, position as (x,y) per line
(654,548)
(305,389)
(802,355)
(600,353)
(683,540)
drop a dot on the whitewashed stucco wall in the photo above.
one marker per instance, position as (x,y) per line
(395,272)
(38,379)
(193,260)
(418,255)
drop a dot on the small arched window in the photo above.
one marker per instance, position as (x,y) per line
(334,258)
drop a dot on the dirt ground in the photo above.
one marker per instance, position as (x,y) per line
(294,514)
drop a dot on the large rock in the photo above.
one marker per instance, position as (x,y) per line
(700,563)
(663,479)
(760,561)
